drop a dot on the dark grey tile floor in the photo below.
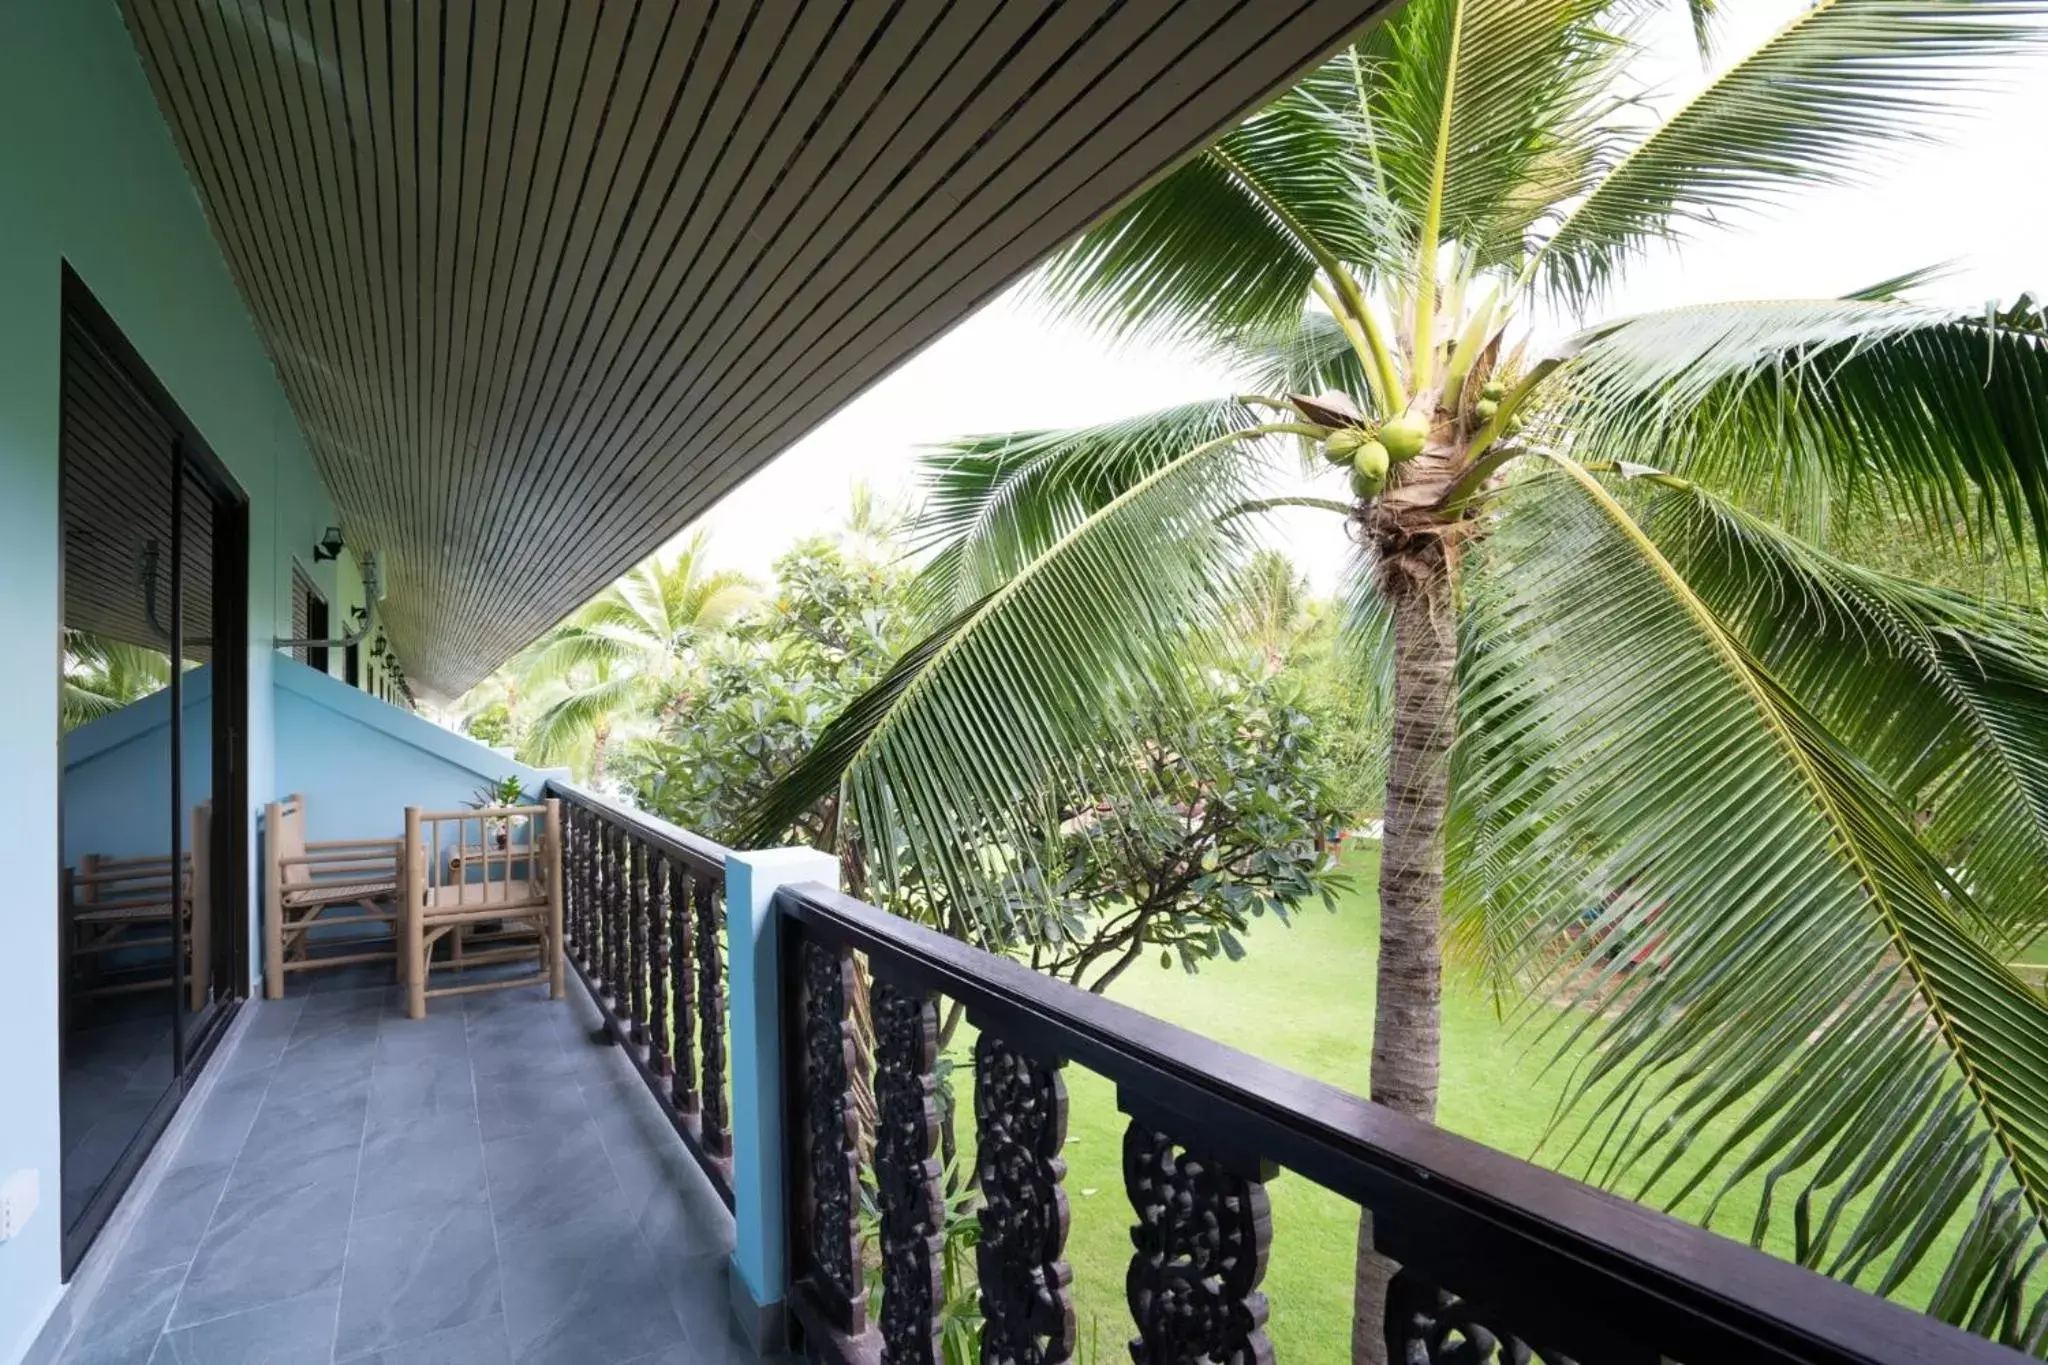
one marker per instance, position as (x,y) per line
(484,1185)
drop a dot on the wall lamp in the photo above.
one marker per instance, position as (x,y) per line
(330,546)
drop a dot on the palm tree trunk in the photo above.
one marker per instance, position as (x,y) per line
(1407,1027)
(600,738)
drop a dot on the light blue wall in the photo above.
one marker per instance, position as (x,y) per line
(360,762)
(89,174)
(116,791)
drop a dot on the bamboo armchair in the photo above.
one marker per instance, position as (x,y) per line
(455,885)
(306,880)
(121,905)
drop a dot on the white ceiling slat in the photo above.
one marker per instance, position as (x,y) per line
(545,278)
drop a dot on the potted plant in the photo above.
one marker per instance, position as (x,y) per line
(506,791)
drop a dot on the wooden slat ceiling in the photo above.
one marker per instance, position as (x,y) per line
(545,279)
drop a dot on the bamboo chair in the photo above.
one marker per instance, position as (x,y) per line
(122,905)
(454,885)
(305,881)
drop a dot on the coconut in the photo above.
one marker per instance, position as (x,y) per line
(1404,437)
(1369,470)
(1485,408)
(1492,391)
(1342,444)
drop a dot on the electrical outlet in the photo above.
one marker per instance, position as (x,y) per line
(18,1200)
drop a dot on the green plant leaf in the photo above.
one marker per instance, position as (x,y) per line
(995,503)
(1522,80)
(1232,239)
(1946,411)
(1012,699)
(1949,703)
(1784,983)
(1829,94)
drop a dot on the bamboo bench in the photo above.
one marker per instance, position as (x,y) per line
(125,906)
(306,881)
(455,886)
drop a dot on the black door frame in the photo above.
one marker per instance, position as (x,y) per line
(196,1037)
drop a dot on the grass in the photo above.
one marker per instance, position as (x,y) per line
(1303,998)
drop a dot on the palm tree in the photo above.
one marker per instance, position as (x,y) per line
(1768,817)
(613,661)
(102,675)
(1271,608)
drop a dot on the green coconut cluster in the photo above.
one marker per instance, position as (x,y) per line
(1370,452)
(1489,401)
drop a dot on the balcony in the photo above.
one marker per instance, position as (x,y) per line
(483,1185)
(673,1165)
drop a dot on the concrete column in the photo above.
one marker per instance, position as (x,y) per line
(753,939)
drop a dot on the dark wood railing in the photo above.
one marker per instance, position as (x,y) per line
(644,916)
(1497,1258)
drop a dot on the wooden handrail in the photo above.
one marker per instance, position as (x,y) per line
(1556,1262)
(702,854)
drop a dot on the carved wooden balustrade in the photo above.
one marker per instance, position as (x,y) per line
(1499,1261)
(644,915)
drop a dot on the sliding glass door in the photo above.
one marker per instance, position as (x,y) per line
(152,912)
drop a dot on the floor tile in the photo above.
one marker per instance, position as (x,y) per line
(293,1128)
(428,1166)
(175,1218)
(584,1294)
(421,1089)
(223,1122)
(518,1051)
(342,1076)
(703,1299)
(296,1331)
(506,1105)
(542,1180)
(410,1275)
(268,1249)
(126,1316)
(482,1342)
(437,1036)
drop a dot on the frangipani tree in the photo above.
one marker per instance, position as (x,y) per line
(1639,724)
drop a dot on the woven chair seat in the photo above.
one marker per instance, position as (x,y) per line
(342,893)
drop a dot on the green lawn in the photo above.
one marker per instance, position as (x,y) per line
(1304,998)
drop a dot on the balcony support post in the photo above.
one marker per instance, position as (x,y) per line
(760,1258)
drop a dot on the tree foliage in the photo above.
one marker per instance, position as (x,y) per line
(1672,699)
(1230,824)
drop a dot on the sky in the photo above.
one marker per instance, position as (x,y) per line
(1977,200)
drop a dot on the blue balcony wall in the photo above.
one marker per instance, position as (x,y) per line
(115,796)
(359,762)
(89,175)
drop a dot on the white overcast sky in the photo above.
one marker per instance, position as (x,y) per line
(1979,199)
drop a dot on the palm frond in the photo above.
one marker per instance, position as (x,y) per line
(564,725)
(965,737)
(1945,698)
(993,504)
(1307,354)
(1233,238)
(1486,110)
(1946,411)
(1816,103)
(1784,984)
(101,675)
(604,640)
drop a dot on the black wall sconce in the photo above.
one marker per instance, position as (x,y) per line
(330,546)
